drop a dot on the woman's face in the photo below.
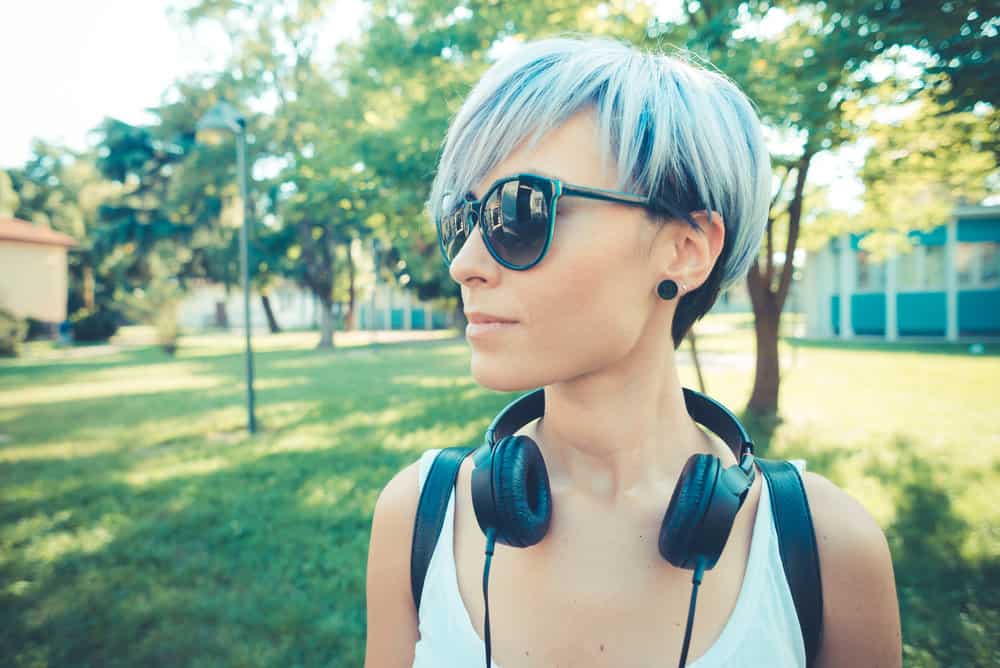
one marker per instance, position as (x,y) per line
(592,299)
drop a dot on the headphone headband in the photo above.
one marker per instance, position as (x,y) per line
(702,408)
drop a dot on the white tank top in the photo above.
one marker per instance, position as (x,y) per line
(762,630)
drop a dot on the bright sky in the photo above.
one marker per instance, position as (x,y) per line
(70,63)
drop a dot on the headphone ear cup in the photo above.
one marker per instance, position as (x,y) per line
(522,500)
(688,504)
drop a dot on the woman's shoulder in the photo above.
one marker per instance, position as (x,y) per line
(840,521)
(391,614)
(396,505)
(401,494)
(848,538)
(860,606)
(395,509)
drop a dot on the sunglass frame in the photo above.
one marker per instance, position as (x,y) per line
(473,208)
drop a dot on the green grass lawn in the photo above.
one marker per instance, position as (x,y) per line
(140,526)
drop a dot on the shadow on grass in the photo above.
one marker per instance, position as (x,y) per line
(233,568)
(259,557)
(258,560)
(299,374)
(44,370)
(949,600)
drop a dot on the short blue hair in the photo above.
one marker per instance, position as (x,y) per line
(680,133)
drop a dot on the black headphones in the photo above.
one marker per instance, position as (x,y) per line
(513,502)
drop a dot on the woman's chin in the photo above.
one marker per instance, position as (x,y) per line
(496,373)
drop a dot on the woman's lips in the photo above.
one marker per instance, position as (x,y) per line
(476,330)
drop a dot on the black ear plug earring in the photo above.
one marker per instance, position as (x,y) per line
(667,289)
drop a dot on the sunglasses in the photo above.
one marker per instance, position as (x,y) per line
(516,217)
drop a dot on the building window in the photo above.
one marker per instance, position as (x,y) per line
(908,270)
(934,268)
(965,264)
(989,264)
(921,269)
(978,265)
(871,274)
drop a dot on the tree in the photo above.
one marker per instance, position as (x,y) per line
(793,65)
(320,221)
(130,226)
(807,66)
(918,168)
(316,198)
(957,38)
(9,201)
(157,303)
(181,191)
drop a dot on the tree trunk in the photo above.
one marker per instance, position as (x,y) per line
(768,301)
(221,317)
(88,285)
(460,320)
(349,317)
(694,357)
(325,324)
(272,323)
(767,319)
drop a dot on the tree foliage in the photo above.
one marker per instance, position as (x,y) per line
(345,137)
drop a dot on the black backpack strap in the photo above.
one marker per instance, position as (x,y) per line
(797,544)
(431,510)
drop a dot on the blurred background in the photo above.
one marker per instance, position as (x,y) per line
(225,322)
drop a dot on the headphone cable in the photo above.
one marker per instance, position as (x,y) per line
(490,540)
(699,570)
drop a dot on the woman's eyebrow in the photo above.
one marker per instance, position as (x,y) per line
(541,172)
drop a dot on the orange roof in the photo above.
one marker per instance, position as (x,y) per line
(12,229)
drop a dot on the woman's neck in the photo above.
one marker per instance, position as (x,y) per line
(620,437)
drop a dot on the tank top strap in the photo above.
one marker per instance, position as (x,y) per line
(426,459)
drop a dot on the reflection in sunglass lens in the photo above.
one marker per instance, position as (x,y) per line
(452,230)
(516,218)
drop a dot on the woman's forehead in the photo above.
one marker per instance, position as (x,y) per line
(571,152)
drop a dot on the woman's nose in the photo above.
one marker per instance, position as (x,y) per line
(474,259)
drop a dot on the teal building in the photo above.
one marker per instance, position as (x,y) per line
(947,287)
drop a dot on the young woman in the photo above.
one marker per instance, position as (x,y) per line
(592,201)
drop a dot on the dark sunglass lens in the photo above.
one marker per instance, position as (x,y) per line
(516,217)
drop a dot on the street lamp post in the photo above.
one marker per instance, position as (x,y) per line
(375,250)
(225,118)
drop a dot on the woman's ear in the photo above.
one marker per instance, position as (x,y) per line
(687,255)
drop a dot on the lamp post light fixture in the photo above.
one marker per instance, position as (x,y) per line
(223,117)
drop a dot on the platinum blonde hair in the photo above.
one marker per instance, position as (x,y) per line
(680,133)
